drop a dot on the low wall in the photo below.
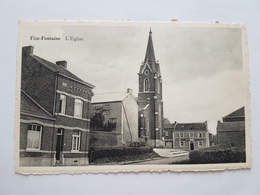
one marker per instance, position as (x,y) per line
(105,139)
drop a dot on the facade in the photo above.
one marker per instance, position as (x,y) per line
(150,98)
(186,136)
(231,132)
(55,113)
(114,120)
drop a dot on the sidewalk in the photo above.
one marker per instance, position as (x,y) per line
(170,152)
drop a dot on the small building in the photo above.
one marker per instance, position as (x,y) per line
(55,113)
(114,120)
(186,136)
(231,132)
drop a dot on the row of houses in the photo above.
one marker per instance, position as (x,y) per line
(192,136)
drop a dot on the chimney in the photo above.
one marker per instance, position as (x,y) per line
(129,90)
(62,63)
(27,50)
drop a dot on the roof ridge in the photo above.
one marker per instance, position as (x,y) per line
(34,101)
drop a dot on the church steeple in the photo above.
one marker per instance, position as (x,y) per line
(150,56)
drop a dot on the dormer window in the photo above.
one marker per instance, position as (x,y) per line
(146,84)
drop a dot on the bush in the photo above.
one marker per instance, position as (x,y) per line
(96,153)
(217,155)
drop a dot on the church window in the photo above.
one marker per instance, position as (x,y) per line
(146,84)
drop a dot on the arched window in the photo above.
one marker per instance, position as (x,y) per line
(146,84)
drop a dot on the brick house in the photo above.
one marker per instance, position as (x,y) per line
(186,136)
(119,126)
(231,132)
(55,113)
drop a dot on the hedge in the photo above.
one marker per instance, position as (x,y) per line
(217,155)
(95,153)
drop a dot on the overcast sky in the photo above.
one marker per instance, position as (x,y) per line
(202,67)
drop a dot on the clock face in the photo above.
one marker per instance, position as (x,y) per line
(146,72)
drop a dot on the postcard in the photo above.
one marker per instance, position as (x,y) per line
(126,96)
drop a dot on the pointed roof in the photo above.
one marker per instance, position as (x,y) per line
(57,68)
(150,55)
(237,113)
(109,97)
(30,106)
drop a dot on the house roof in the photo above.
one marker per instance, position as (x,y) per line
(169,126)
(237,113)
(109,97)
(191,126)
(186,126)
(57,68)
(30,106)
(231,126)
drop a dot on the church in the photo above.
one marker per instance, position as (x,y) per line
(150,103)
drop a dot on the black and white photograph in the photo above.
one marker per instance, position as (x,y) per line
(128,96)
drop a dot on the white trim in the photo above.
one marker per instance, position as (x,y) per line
(180,135)
(78,138)
(56,126)
(65,115)
(183,143)
(122,121)
(78,108)
(148,85)
(36,103)
(146,64)
(74,96)
(43,117)
(147,92)
(62,102)
(74,151)
(147,105)
(36,150)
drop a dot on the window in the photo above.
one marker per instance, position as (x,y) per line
(199,134)
(62,107)
(182,144)
(191,134)
(146,84)
(76,141)
(34,136)
(200,143)
(166,133)
(181,134)
(78,107)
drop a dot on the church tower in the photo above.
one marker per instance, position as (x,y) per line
(150,98)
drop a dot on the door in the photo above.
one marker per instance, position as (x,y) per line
(59,145)
(191,146)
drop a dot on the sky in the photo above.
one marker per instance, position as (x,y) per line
(202,67)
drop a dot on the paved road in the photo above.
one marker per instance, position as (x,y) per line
(163,160)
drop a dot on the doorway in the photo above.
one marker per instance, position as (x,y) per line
(191,146)
(59,145)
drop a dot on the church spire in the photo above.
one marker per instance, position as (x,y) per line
(150,56)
